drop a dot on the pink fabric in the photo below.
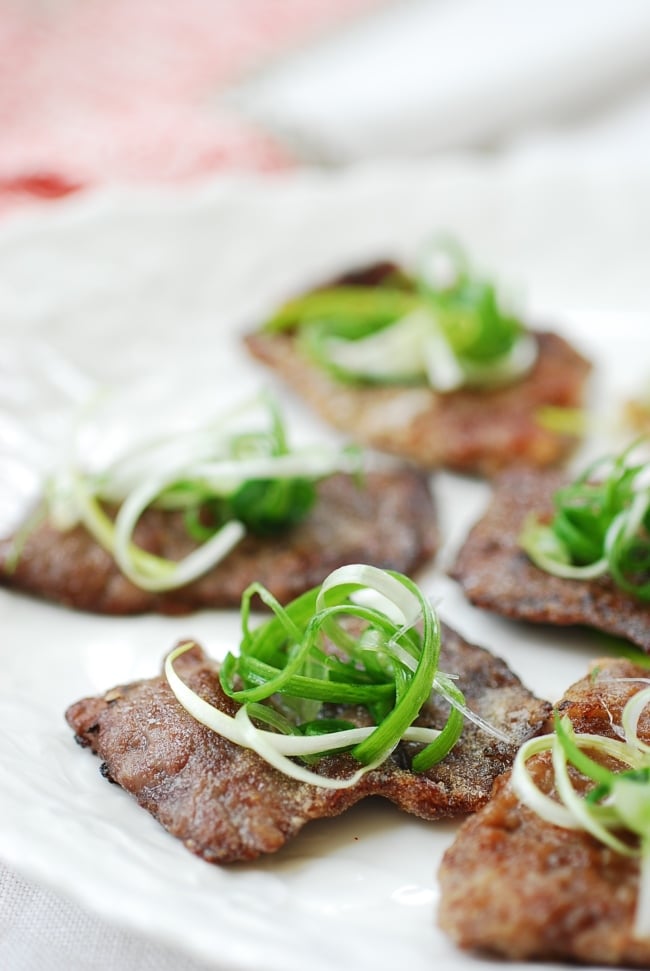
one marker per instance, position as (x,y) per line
(101,90)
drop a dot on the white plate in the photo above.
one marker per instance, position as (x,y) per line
(126,285)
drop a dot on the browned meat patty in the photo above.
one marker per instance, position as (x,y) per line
(226,804)
(495,573)
(469,431)
(521,888)
(387,520)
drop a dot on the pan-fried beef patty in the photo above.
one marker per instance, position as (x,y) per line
(469,431)
(387,519)
(497,574)
(226,804)
(519,887)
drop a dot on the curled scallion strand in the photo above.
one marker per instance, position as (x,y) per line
(600,525)
(613,802)
(443,326)
(366,637)
(225,480)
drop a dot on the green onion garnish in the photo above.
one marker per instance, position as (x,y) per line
(226,477)
(443,326)
(600,525)
(364,637)
(563,420)
(613,803)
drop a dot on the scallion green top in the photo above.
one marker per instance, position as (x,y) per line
(612,802)
(444,325)
(226,477)
(600,525)
(364,637)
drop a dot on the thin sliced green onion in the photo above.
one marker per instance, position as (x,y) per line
(440,748)
(299,686)
(194,565)
(444,685)
(353,311)
(617,801)
(630,719)
(280,746)
(252,737)
(225,479)
(447,329)
(273,718)
(549,553)
(391,355)
(585,814)
(563,420)
(528,792)
(573,752)
(304,661)
(600,526)
(404,595)
(102,528)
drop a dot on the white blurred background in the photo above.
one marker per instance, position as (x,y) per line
(549,79)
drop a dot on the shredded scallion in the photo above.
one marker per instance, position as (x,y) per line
(608,803)
(563,420)
(225,477)
(444,325)
(600,525)
(365,637)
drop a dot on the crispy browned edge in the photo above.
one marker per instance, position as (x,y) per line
(226,804)
(515,886)
(386,518)
(496,574)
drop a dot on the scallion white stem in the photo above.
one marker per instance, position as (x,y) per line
(625,801)
(187,473)
(274,748)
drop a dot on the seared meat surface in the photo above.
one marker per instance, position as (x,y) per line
(387,519)
(226,804)
(516,886)
(495,573)
(469,431)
